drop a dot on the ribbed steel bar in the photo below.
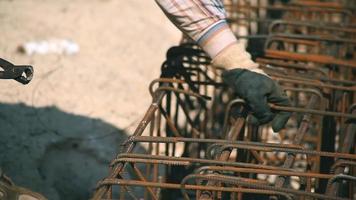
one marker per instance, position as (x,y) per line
(314,83)
(263,171)
(337,178)
(289,148)
(314,112)
(322,26)
(329,38)
(303,128)
(239,181)
(291,151)
(342,163)
(142,178)
(111,181)
(348,144)
(232,135)
(317,58)
(143,158)
(100,192)
(205,140)
(196,123)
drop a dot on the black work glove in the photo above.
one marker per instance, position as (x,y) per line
(258,90)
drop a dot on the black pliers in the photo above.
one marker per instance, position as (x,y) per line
(20,73)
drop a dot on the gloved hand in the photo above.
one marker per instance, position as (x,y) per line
(253,85)
(258,90)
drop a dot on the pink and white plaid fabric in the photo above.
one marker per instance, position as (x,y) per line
(202,20)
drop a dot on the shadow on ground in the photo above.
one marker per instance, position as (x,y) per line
(58,154)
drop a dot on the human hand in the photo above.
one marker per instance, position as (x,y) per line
(258,90)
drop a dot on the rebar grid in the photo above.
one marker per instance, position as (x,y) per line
(201,142)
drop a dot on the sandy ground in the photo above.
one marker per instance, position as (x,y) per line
(101,92)
(122,45)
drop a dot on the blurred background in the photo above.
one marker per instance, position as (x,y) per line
(58,134)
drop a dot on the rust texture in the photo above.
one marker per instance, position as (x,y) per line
(201,141)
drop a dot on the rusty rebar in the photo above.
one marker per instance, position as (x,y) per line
(253,184)
(139,130)
(303,128)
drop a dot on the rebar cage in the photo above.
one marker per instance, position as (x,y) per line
(202,142)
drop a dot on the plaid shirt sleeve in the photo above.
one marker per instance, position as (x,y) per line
(193,16)
(202,20)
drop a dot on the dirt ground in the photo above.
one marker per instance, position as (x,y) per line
(122,45)
(102,90)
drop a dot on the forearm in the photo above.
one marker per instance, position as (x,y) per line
(205,22)
(202,20)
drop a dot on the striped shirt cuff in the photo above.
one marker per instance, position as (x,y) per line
(216,38)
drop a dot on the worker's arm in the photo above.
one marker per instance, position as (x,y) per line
(204,22)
